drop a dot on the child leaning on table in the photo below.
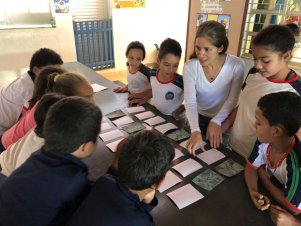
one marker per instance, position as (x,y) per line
(49,185)
(137,75)
(143,160)
(275,158)
(167,85)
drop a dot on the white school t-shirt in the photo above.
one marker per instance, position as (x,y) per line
(138,82)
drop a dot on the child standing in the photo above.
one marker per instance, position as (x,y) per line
(276,156)
(48,186)
(17,94)
(137,74)
(127,199)
(272,49)
(167,85)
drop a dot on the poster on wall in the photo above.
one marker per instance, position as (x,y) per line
(120,4)
(224,19)
(61,6)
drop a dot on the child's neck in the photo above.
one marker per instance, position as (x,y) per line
(165,77)
(282,75)
(282,144)
(133,70)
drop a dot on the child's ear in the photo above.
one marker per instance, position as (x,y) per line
(278,131)
(220,49)
(288,55)
(158,62)
(36,70)
(87,149)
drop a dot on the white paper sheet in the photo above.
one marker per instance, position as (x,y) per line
(97,88)
(165,127)
(178,154)
(111,135)
(211,156)
(113,146)
(123,121)
(144,115)
(187,167)
(154,121)
(147,127)
(135,109)
(184,196)
(105,126)
(183,144)
(170,180)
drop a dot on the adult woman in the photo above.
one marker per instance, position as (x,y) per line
(212,83)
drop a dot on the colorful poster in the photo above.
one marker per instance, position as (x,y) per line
(61,6)
(224,19)
(119,4)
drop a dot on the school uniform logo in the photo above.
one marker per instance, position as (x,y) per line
(169,95)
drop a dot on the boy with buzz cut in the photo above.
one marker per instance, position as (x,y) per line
(16,95)
(47,187)
(143,160)
(167,85)
(276,156)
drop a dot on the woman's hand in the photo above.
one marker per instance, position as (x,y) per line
(214,135)
(195,140)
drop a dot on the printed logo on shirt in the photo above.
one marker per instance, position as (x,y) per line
(169,95)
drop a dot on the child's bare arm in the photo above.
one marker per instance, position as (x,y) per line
(228,123)
(120,89)
(176,114)
(273,190)
(260,201)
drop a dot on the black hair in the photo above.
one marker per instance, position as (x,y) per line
(144,159)
(67,83)
(277,38)
(70,123)
(135,45)
(44,57)
(169,46)
(215,32)
(282,108)
(42,108)
(40,83)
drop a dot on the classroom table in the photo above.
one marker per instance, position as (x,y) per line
(228,204)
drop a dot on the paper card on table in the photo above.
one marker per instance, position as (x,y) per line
(144,115)
(178,154)
(113,146)
(111,135)
(165,127)
(133,127)
(211,156)
(229,168)
(184,196)
(208,179)
(123,121)
(154,121)
(179,134)
(170,180)
(147,127)
(187,167)
(97,88)
(135,109)
(184,143)
(115,114)
(105,126)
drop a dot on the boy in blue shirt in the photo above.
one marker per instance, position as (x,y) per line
(48,186)
(275,159)
(143,160)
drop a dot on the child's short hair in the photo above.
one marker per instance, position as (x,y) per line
(66,83)
(70,123)
(282,108)
(44,57)
(41,82)
(170,46)
(135,45)
(42,108)
(144,159)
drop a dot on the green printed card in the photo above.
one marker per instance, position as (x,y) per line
(229,168)
(208,179)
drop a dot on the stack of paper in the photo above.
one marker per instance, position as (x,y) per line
(111,135)
(170,180)
(123,121)
(211,156)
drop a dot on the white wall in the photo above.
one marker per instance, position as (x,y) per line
(154,23)
(17,45)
